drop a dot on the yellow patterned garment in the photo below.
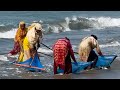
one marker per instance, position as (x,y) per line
(21,57)
(20,34)
(26,48)
(26,45)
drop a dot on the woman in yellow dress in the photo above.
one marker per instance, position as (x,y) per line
(33,38)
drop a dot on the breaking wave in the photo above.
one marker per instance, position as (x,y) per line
(66,24)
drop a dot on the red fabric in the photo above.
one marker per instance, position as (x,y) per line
(56,66)
(62,50)
(67,67)
(16,48)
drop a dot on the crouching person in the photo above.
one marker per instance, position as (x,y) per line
(86,50)
(63,52)
(31,40)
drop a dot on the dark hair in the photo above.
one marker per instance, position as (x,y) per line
(67,38)
(94,36)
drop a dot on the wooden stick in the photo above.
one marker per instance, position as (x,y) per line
(43,69)
(45,54)
(76,52)
(46,46)
(52,50)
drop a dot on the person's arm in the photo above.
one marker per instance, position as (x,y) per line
(71,51)
(40,38)
(99,50)
(38,44)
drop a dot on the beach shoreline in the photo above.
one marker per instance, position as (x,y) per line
(21,73)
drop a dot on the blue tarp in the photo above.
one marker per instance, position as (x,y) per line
(105,61)
(34,63)
(77,68)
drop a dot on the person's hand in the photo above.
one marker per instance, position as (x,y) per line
(38,45)
(76,63)
(102,55)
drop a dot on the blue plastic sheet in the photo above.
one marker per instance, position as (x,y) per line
(105,61)
(77,68)
(35,64)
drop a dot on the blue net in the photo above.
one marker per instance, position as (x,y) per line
(105,61)
(35,64)
(77,68)
(81,66)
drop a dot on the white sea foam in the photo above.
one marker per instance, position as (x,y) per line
(112,44)
(8,34)
(3,58)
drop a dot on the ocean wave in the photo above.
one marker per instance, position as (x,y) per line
(5,28)
(8,34)
(93,22)
(3,58)
(66,24)
(2,25)
(112,44)
(78,23)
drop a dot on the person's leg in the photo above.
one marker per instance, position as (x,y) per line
(26,49)
(15,50)
(68,68)
(55,68)
(20,57)
(68,65)
(93,57)
(21,54)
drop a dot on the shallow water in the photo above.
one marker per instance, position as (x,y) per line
(58,24)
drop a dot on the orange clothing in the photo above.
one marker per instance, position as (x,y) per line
(20,35)
(18,40)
